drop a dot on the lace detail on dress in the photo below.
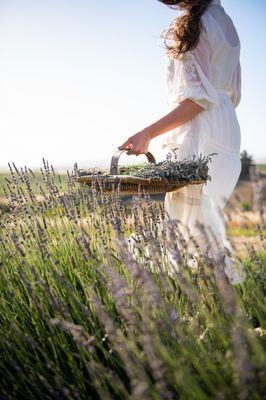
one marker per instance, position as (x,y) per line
(190,69)
(190,82)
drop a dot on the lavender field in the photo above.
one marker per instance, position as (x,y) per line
(88,311)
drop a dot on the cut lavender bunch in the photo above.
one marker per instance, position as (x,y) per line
(171,169)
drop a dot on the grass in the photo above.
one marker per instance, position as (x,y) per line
(246,232)
(35,179)
(261,167)
(86,315)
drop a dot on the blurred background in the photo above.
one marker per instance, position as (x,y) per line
(79,77)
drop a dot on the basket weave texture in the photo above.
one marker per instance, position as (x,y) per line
(128,184)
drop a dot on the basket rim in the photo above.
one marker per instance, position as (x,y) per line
(134,180)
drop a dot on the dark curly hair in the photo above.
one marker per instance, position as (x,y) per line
(184,32)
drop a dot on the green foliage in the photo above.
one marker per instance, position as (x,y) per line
(245,231)
(245,206)
(86,315)
(246,161)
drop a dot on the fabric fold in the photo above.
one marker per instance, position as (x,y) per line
(191,83)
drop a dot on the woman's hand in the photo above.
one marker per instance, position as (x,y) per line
(184,112)
(138,143)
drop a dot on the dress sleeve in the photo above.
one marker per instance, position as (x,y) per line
(192,78)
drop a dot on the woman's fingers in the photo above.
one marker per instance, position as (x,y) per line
(137,151)
(136,144)
(126,145)
(133,152)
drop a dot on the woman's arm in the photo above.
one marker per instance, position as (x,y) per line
(184,112)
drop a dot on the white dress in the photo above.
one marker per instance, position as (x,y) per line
(210,75)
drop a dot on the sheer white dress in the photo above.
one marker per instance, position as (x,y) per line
(210,75)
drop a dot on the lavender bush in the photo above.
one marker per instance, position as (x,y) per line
(84,317)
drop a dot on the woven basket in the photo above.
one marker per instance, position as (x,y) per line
(131,185)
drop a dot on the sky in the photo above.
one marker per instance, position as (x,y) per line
(77,78)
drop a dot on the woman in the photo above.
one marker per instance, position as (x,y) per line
(204,82)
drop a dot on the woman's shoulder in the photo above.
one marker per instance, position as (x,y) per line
(219,27)
(207,20)
(210,27)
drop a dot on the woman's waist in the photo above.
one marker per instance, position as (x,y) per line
(225,96)
(202,143)
(221,91)
(217,128)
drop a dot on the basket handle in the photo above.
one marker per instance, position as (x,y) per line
(115,158)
